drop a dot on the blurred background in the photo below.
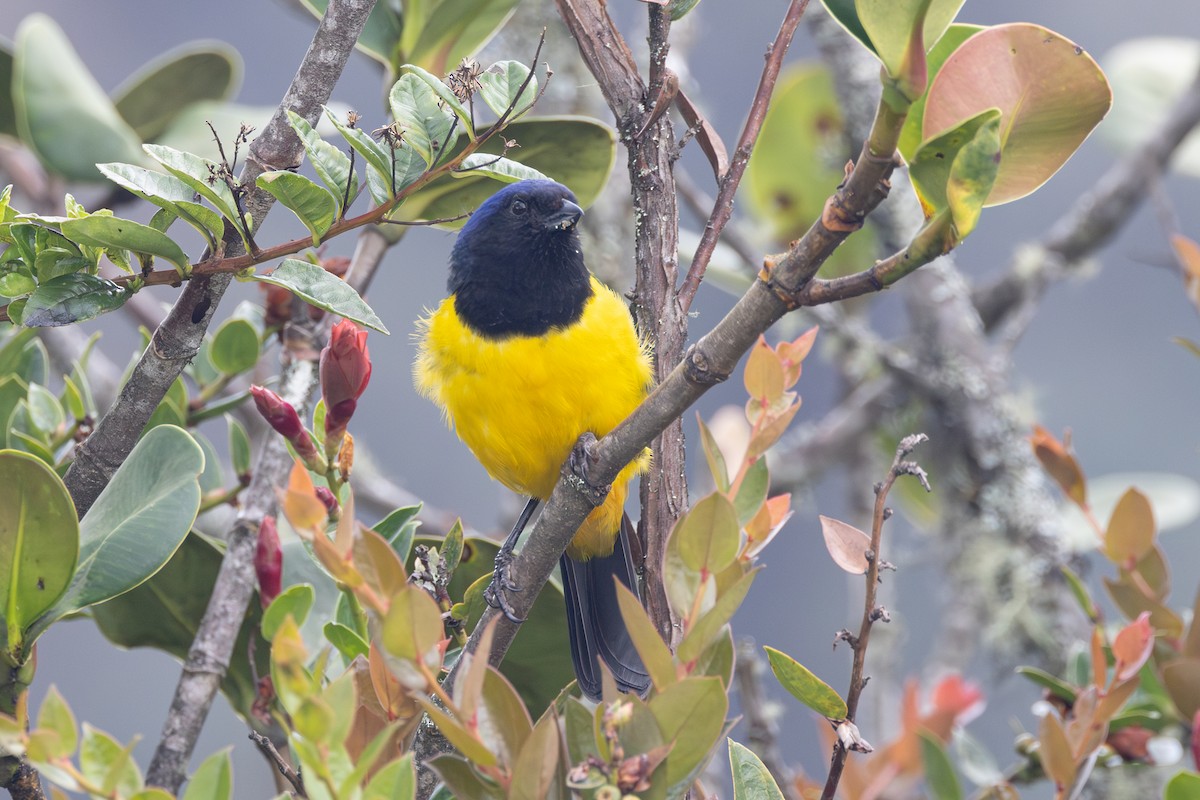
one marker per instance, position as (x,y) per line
(1097,359)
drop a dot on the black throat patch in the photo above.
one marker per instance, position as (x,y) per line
(519,282)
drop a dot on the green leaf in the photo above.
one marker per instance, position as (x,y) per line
(112,232)
(653,650)
(708,535)
(575,151)
(426,124)
(39,545)
(1050,93)
(235,347)
(751,778)
(105,763)
(295,601)
(753,491)
(1057,686)
(957,170)
(706,629)
(168,193)
(678,9)
(939,772)
(314,206)
(55,715)
(314,285)
(62,113)
(499,85)
(891,26)
(714,457)
(453,31)
(536,766)
(452,546)
(212,780)
(396,780)
(239,446)
(44,410)
(16,284)
(1183,786)
(448,99)
(150,98)
(502,169)
(8,113)
(196,172)
(346,640)
(331,164)
(805,686)
(137,523)
(463,782)
(691,714)
(379,159)
(398,528)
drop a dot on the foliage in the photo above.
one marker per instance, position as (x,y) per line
(357,625)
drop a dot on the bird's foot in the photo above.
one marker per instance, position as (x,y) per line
(579,464)
(496,594)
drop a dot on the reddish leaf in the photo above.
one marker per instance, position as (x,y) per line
(1132,646)
(1187,253)
(1057,460)
(846,544)
(764,373)
(1055,752)
(793,353)
(1130,533)
(707,136)
(299,503)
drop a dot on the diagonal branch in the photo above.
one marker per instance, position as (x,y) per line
(177,340)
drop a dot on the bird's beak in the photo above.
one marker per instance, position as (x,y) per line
(566,217)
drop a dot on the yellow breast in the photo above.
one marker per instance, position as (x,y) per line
(520,403)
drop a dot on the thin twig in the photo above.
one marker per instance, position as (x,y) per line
(723,208)
(269,752)
(872,612)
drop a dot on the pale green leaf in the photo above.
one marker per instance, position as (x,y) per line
(314,285)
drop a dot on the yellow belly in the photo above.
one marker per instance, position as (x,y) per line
(521,403)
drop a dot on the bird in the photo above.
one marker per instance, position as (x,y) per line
(527,353)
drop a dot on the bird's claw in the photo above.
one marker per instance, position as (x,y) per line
(496,594)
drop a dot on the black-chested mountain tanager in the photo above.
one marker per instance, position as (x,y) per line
(528,353)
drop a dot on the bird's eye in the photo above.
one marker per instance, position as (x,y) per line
(519,207)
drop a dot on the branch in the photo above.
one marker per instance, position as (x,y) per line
(212,648)
(872,612)
(177,340)
(722,209)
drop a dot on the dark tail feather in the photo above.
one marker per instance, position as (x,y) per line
(594,619)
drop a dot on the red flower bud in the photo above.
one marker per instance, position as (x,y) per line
(280,415)
(326,497)
(268,562)
(345,372)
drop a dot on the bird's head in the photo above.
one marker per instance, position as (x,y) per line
(517,265)
(524,212)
